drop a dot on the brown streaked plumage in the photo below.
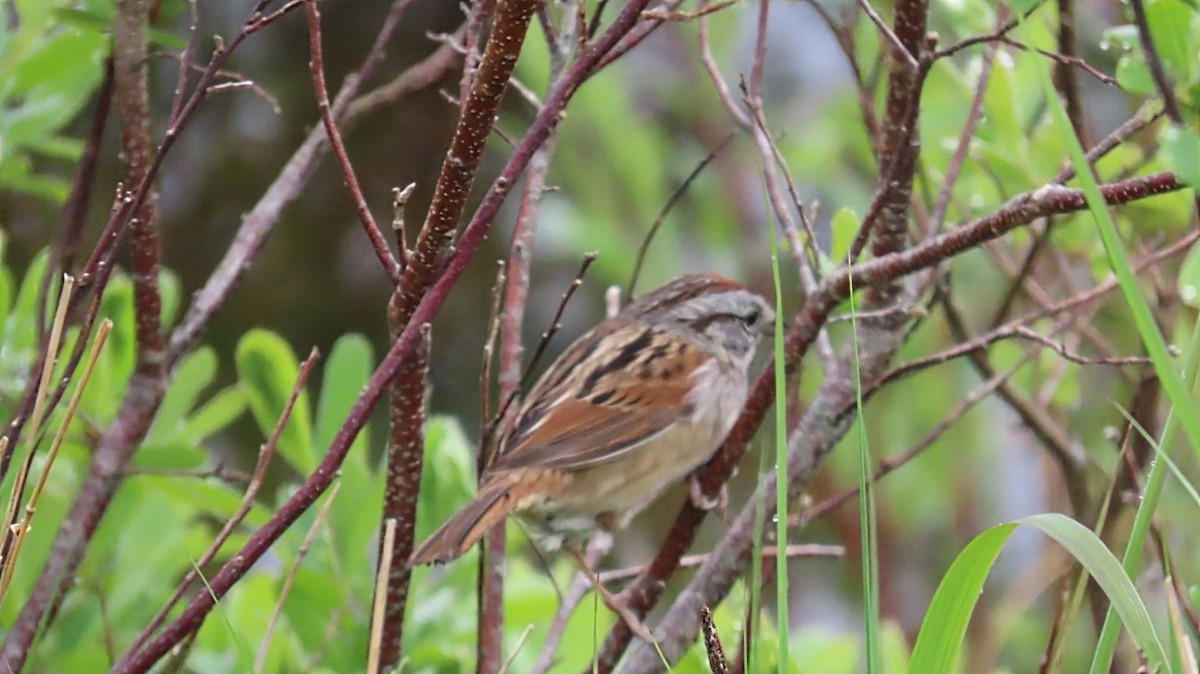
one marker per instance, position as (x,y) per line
(635,404)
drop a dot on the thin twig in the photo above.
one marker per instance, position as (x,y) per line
(898,47)
(20,530)
(316,66)
(664,15)
(888,465)
(793,550)
(668,206)
(264,648)
(1062,59)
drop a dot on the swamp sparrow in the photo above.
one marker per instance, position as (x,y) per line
(634,405)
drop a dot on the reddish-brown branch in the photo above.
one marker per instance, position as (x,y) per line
(490,644)
(316,64)
(406,452)
(466,149)
(1065,77)
(434,242)
(899,144)
(1154,63)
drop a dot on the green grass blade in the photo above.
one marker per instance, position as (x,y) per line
(945,624)
(1173,385)
(781,497)
(866,510)
(1160,455)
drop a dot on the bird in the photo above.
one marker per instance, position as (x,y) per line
(633,406)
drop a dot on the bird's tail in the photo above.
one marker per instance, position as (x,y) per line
(492,504)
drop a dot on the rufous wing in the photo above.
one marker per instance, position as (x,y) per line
(637,385)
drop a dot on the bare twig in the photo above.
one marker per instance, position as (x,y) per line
(668,206)
(289,581)
(1154,62)
(793,551)
(664,15)
(597,547)
(316,66)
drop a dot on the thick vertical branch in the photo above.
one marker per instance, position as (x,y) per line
(466,149)
(434,243)
(407,446)
(899,144)
(130,63)
(147,385)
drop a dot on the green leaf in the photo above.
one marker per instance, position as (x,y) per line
(116,362)
(945,625)
(448,476)
(843,226)
(1181,146)
(267,370)
(168,287)
(1189,277)
(22,322)
(170,456)
(1170,22)
(213,416)
(346,371)
(1134,77)
(194,374)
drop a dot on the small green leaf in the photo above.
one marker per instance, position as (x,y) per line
(213,416)
(844,226)
(194,374)
(1169,22)
(1189,277)
(1134,77)
(170,456)
(168,287)
(267,370)
(346,371)
(1181,146)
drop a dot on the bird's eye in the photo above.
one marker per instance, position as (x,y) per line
(752,317)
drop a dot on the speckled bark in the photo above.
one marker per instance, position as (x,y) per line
(434,244)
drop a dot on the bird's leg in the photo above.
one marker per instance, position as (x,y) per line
(610,600)
(720,502)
